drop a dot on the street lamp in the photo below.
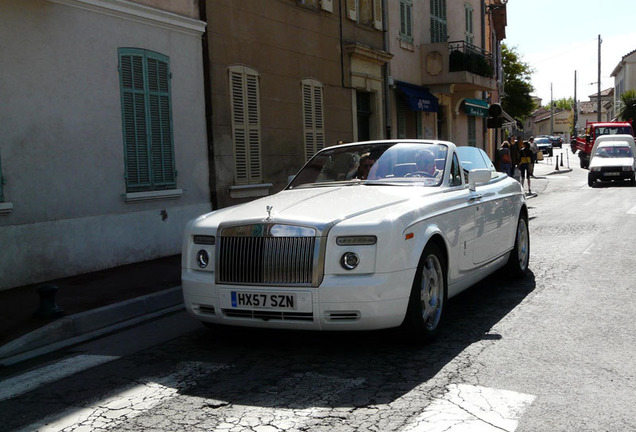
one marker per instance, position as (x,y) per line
(494,6)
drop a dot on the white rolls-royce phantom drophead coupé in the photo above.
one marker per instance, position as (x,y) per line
(367,235)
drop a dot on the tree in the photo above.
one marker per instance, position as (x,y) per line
(564,104)
(628,109)
(517,84)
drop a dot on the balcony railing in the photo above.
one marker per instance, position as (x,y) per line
(470,58)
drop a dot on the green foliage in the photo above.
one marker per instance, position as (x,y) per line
(563,103)
(628,109)
(517,84)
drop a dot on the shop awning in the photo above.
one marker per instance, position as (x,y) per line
(476,107)
(417,97)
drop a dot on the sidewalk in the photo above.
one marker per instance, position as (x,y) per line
(91,303)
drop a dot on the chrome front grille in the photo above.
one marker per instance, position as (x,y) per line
(266,260)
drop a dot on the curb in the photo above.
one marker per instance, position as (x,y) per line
(87,325)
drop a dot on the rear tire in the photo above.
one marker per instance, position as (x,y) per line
(517,265)
(429,293)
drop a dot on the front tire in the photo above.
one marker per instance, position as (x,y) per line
(519,259)
(425,311)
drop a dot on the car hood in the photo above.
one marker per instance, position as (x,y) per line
(318,207)
(598,162)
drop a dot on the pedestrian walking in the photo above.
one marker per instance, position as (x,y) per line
(535,150)
(525,161)
(505,162)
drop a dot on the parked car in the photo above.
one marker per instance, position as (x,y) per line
(612,160)
(544,144)
(368,235)
(556,141)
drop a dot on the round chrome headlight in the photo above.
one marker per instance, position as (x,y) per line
(203,259)
(349,260)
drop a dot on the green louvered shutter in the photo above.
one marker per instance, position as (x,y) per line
(163,168)
(439,29)
(147,120)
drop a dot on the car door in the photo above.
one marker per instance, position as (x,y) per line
(492,218)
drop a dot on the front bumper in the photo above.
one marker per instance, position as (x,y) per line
(613,175)
(365,302)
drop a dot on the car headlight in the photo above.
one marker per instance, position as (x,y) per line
(595,169)
(202,258)
(628,168)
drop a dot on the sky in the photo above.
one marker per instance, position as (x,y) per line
(558,37)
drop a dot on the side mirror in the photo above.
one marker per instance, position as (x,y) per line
(478,176)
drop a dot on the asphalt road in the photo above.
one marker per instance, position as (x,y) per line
(551,353)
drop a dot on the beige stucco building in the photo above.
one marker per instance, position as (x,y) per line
(286,79)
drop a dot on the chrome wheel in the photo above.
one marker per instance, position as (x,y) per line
(425,311)
(432,292)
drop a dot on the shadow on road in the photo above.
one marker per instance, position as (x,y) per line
(269,362)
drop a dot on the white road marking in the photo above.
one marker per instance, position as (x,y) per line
(26,382)
(632,211)
(466,408)
(126,403)
(588,251)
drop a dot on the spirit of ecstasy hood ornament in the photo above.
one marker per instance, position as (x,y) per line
(269,212)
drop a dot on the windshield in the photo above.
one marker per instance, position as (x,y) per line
(614,152)
(421,164)
(613,130)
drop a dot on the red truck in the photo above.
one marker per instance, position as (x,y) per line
(594,130)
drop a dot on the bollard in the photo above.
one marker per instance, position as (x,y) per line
(557,163)
(561,159)
(48,308)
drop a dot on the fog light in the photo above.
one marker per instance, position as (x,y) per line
(203,259)
(349,261)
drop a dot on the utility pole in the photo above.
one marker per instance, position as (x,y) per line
(575,122)
(551,112)
(598,102)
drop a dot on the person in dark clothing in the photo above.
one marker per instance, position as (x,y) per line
(505,162)
(525,162)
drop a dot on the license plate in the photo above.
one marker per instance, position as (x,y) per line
(608,174)
(251,300)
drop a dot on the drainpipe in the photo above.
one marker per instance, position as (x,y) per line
(207,89)
(386,68)
(342,72)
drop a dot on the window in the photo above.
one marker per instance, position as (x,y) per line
(363,102)
(406,20)
(438,21)
(472,132)
(246,124)
(147,120)
(311,4)
(313,119)
(455,172)
(365,12)
(469,23)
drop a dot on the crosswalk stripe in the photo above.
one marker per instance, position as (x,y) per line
(127,403)
(467,408)
(26,382)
